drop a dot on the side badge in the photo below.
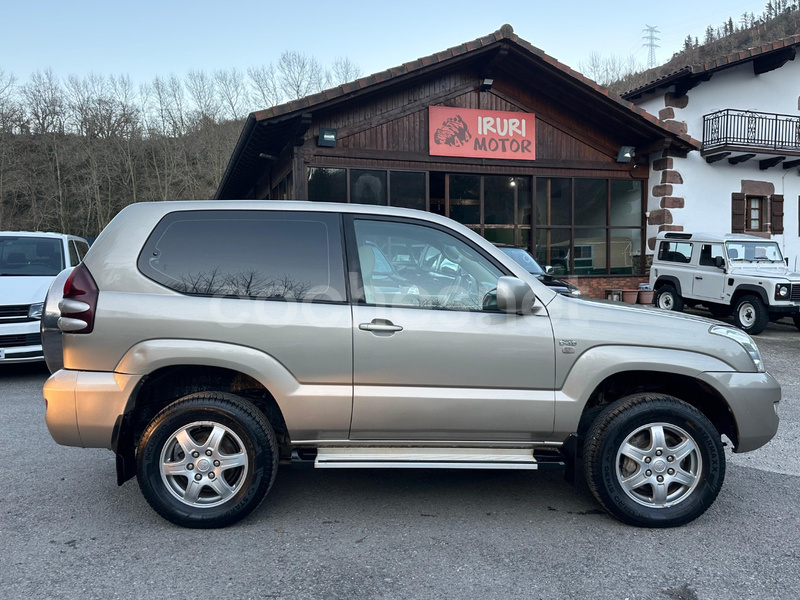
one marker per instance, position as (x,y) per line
(567,346)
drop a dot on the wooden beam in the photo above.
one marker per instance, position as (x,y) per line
(770,162)
(791,163)
(301,128)
(772,60)
(741,158)
(717,157)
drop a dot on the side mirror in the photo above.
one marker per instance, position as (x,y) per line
(515,296)
(548,270)
(719,262)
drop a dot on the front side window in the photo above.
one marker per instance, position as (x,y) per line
(402,264)
(248,254)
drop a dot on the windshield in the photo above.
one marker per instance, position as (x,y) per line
(525,259)
(30,256)
(756,251)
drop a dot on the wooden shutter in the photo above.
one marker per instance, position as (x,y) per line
(777,213)
(738,209)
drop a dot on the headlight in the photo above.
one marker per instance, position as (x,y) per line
(35,311)
(744,340)
(782,291)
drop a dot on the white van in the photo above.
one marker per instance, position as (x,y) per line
(29,261)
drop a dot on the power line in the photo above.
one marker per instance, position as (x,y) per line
(650,43)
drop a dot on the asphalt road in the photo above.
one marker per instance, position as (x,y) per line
(67,531)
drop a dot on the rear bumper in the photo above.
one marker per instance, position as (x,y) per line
(753,399)
(83,406)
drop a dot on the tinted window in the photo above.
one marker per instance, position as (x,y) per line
(253,254)
(74,259)
(82,248)
(680,252)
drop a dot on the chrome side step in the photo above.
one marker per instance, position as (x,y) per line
(425,458)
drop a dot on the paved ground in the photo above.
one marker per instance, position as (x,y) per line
(68,531)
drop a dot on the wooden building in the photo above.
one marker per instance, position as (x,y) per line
(493,133)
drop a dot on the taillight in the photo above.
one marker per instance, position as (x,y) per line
(79,302)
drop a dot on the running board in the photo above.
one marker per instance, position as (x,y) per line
(423,458)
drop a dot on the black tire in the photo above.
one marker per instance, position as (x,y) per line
(720,311)
(647,486)
(796,320)
(750,315)
(668,298)
(230,472)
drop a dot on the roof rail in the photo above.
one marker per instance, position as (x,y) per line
(678,236)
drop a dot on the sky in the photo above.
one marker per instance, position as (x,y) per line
(148,38)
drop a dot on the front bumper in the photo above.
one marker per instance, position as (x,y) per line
(20,342)
(83,406)
(753,399)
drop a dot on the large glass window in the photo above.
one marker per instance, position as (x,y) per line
(368,187)
(589,226)
(407,189)
(248,254)
(465,199)
(327,185)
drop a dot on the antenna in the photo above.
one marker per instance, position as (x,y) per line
(650,43)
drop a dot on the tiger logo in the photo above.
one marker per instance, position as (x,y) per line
(453,132)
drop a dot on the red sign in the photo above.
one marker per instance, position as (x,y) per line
(471,133)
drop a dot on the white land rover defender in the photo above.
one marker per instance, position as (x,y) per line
(738,274)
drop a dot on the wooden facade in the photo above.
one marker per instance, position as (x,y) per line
(382,134)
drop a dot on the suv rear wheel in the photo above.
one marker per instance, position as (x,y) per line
(654,461)
(668,298)
(750,314)
(207,460)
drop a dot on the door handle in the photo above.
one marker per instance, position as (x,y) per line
(700,278)
(380,326)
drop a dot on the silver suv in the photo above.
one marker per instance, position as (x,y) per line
(743,275)
(206,343)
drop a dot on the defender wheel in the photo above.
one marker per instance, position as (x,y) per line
(207,460)
(750,315)
(654,461)
(668,298)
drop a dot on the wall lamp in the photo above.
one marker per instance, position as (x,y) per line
(626,154)
(327,137)
(486,84)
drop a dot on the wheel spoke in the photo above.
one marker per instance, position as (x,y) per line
(175,469)
(215,438)
(220,486)
(192,492)
(682,450)
(634,481)
(231,461)
(658,440)
(684,478)
(634,453)
(187,444)
(660,494)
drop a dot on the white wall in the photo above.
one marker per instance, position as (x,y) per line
(707,188)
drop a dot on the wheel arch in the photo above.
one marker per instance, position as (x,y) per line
(668,279)
(749,288)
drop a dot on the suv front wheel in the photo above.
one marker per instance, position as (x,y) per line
(750,315)
(207,460)
(668,298)
(654,461)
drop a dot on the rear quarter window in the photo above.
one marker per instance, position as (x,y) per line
(678,252)
(248,254)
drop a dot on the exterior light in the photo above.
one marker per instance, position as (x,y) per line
(626,154)
(327,137)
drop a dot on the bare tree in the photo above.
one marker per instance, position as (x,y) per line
(203,94)
(300,75)
(264,87)
(44,98)
(232,92)
(343,71)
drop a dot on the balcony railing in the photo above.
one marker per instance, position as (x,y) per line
(750,130)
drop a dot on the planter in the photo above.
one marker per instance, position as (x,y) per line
(645,296)
(630,296)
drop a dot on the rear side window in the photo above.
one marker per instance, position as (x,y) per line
(248,254)
(680,252)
